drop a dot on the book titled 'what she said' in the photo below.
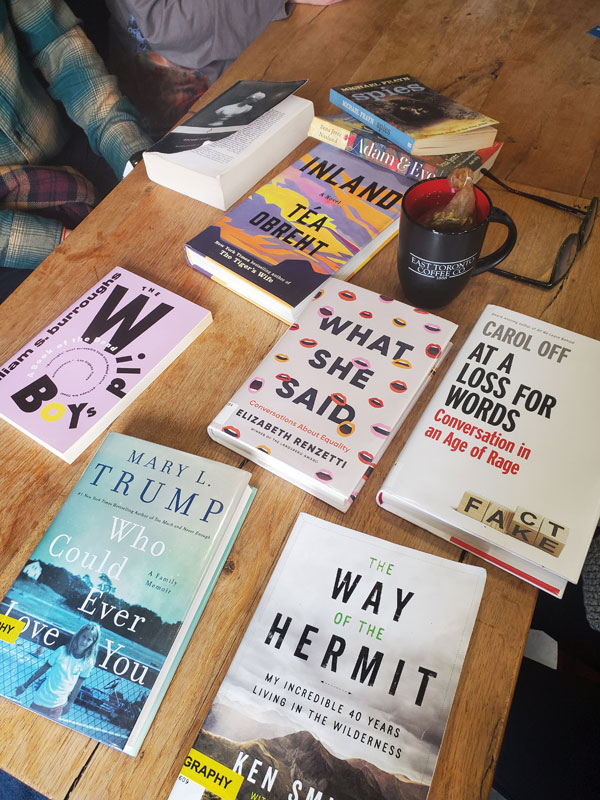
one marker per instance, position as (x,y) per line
(342,690)
(325,402)
(102,611)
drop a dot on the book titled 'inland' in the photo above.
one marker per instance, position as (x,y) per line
(505,460)
(415,117)
(98,619)
(326,401)
(327,214)
(343,683)
(75,377)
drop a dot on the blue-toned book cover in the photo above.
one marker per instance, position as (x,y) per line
(97,620)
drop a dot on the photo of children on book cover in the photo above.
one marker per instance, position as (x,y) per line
(343,682)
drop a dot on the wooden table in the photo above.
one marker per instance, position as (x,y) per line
(528,63)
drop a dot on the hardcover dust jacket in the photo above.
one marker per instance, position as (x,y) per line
(342,685)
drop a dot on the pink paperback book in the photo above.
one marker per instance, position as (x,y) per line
(79,372)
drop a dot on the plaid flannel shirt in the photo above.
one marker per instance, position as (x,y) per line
(44,35)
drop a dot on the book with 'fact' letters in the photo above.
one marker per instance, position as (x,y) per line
(505,460)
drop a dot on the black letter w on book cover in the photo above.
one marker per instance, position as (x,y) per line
(342,685)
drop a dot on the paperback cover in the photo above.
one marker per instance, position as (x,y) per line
(347,133)
(415,117)
(95,624)
(329,397)
(74,378)
(505,461)
(221,151)
(344,690)
(326,214)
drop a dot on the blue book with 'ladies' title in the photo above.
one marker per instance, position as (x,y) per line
(98,619)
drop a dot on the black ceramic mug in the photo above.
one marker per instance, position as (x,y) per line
(434,265)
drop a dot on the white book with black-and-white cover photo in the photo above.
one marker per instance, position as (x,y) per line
(505,460)
(344,680)
(325,402)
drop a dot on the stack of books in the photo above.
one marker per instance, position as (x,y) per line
(408,128)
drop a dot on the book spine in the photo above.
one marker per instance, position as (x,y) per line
(328,132)
(376,123)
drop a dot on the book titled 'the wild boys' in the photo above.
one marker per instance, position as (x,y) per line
(505,460)
(325,402)
(81,370)
(326,214)
(100,615)
(343,689)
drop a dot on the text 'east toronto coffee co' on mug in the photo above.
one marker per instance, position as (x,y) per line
(434,264)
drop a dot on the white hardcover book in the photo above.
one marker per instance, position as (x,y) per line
(342,691)
(505,460)
(329,397)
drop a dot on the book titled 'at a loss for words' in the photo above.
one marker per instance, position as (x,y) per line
(505,460)
(75,377)
(97,620)
(343,683)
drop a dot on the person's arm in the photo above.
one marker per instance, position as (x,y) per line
(78,78)
(73,696)
(26,239)
(195,33)
(37,674)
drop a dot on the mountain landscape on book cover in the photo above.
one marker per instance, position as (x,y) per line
(329,396)
(130,558)
(407,104)
(306,224)
(72,379)
(343,690)
(506,450)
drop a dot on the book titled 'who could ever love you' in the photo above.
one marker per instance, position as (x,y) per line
(78,373)
(98,618)
(343,691)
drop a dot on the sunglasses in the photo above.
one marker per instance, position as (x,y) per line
(569,248)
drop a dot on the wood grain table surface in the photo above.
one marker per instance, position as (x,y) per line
(529,64)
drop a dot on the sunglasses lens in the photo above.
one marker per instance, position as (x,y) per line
(588,222)
(565,258)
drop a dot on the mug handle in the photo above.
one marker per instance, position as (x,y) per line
(493,259)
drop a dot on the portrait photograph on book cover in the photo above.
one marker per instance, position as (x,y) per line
(243,103)
(342,691)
